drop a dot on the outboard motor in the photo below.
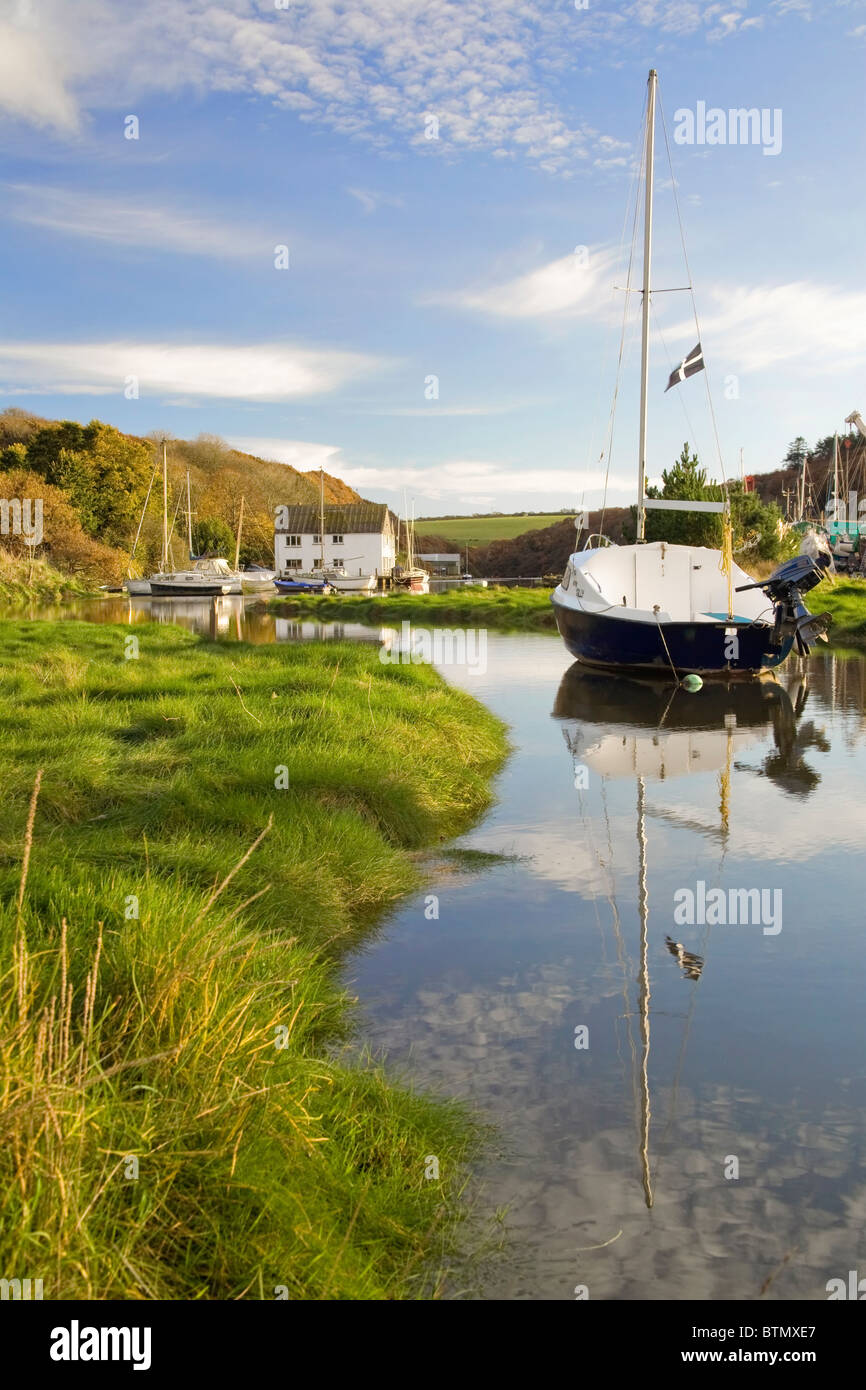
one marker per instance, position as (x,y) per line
(785,588)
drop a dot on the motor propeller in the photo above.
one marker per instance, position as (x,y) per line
(785,588)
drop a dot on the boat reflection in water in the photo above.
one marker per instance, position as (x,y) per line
(617,728)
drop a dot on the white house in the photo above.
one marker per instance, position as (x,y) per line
(358,537)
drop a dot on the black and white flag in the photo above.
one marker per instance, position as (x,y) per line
(694,362)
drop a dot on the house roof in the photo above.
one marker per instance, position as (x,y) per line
(353,519)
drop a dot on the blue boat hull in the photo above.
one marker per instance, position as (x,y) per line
(618,643)
(300,586)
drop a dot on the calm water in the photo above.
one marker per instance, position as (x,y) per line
(711,1049)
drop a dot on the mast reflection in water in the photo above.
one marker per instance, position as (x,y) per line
(660,731)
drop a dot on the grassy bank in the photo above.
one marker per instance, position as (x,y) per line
(173,1122)
(29,581)
(845,601)
(498,608)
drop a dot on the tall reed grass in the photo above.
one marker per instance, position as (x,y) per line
(173,1119)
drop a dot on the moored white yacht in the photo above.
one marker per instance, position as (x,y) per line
(207,576)
(663,608)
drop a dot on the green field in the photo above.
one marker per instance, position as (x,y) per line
(480,530)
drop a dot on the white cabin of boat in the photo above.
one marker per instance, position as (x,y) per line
(657,581)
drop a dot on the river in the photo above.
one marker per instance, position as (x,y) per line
(680,1103)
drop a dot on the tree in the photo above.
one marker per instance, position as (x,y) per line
(686,481)
(798,451)
(211,536)
(103,472)
(757,525)
(64,540)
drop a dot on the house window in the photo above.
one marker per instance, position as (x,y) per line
(293,564)
(338,540)
(293,542)
(317,563)
(317,540)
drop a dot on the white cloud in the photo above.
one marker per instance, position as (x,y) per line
(477,482)
(375,70)
(300,453)
(750,327)
(257,372)
(133,222)
(371,200)
(574,285)
(444,410)
(33,79)
(819,326)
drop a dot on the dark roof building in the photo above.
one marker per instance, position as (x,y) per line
(351,519)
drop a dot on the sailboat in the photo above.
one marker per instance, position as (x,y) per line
(410,576)
(207,576)
(255,579)
(137,588)
(658,608)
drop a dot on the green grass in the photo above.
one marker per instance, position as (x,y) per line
(34,581)
(505,608)
(153,1037)
(845,601)
(480,530)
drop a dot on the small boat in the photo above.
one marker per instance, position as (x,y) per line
(410,577)
(207,577)
(302,584)
(345,583)
(255,579)
(141,587)
(662,608)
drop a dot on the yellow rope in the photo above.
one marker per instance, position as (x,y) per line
(726,559)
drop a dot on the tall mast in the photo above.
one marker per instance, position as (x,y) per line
(647,262)
(836,476)
(238,542)
(188,517)
(322,515)
(802,507)
(164,510)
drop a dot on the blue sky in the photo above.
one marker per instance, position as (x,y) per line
(410,257)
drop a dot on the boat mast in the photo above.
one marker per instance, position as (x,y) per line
(647,259)
(188,518)
(164,510)
(322,516)
(802,507)
(238,542)
(836,476)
